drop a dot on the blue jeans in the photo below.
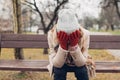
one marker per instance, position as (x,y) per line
(61,73)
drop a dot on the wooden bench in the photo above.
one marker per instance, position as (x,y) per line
(40,41)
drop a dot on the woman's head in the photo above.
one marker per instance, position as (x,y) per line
(67,21)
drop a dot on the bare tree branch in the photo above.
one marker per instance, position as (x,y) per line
(58,2)
(40,14)
(45,9)
(48,16)
(29,2)
(114,2)
(53,19)
(27,5)
(117,8)
(107,4)
(55,15)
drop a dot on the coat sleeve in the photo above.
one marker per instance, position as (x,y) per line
(80,53)
(85,45)
(57,58)
(77,56)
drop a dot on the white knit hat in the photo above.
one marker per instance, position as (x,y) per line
(67,21)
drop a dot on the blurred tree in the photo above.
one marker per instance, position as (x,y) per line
(48,16)
(6,19)
(88,22)
(17,26)
(100,21)
(51,15)
(110,11)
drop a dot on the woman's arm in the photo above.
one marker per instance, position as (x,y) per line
(85,48)
(56,58)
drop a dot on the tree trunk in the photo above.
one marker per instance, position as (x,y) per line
(117,7)
(112,27)
(17,26)
(45,51)
(107,27)
(19,53)
(99,27)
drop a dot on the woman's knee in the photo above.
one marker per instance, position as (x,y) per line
(81,73)
(59,74)
(59,71)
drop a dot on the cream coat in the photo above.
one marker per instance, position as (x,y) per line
(58,58)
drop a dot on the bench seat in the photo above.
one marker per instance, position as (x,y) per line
(40,65)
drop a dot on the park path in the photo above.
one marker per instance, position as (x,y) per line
(115,52)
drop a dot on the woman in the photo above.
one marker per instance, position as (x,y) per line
(68,43)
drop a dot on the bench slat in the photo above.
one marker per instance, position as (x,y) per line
(40,65)
(29,37)
(23,65)
(104,45)
(24,44)
(40,41)
(37,44)
(105,38)
(23,37)
(108,67)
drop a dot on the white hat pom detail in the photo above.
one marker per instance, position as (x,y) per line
(67,21)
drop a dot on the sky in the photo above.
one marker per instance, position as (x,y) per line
(87,7)
(5,9)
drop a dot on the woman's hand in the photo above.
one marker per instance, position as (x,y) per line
(63,39)
(74,38)
(90,62)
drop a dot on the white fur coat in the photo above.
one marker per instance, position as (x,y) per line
(58,58)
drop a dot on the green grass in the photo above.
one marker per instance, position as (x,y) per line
(115,32)
(36,54)
(101,55)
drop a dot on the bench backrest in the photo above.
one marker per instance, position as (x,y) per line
(40,41)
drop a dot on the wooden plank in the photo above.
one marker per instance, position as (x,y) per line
(0,42)
(108,67)
(0,37)
(23,37)
(104,45)
(93,38)
(23,65)
(24,44)
(105,38)
(40,44)
(41,65)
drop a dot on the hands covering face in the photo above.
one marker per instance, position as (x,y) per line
(63,39)
(66,40)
